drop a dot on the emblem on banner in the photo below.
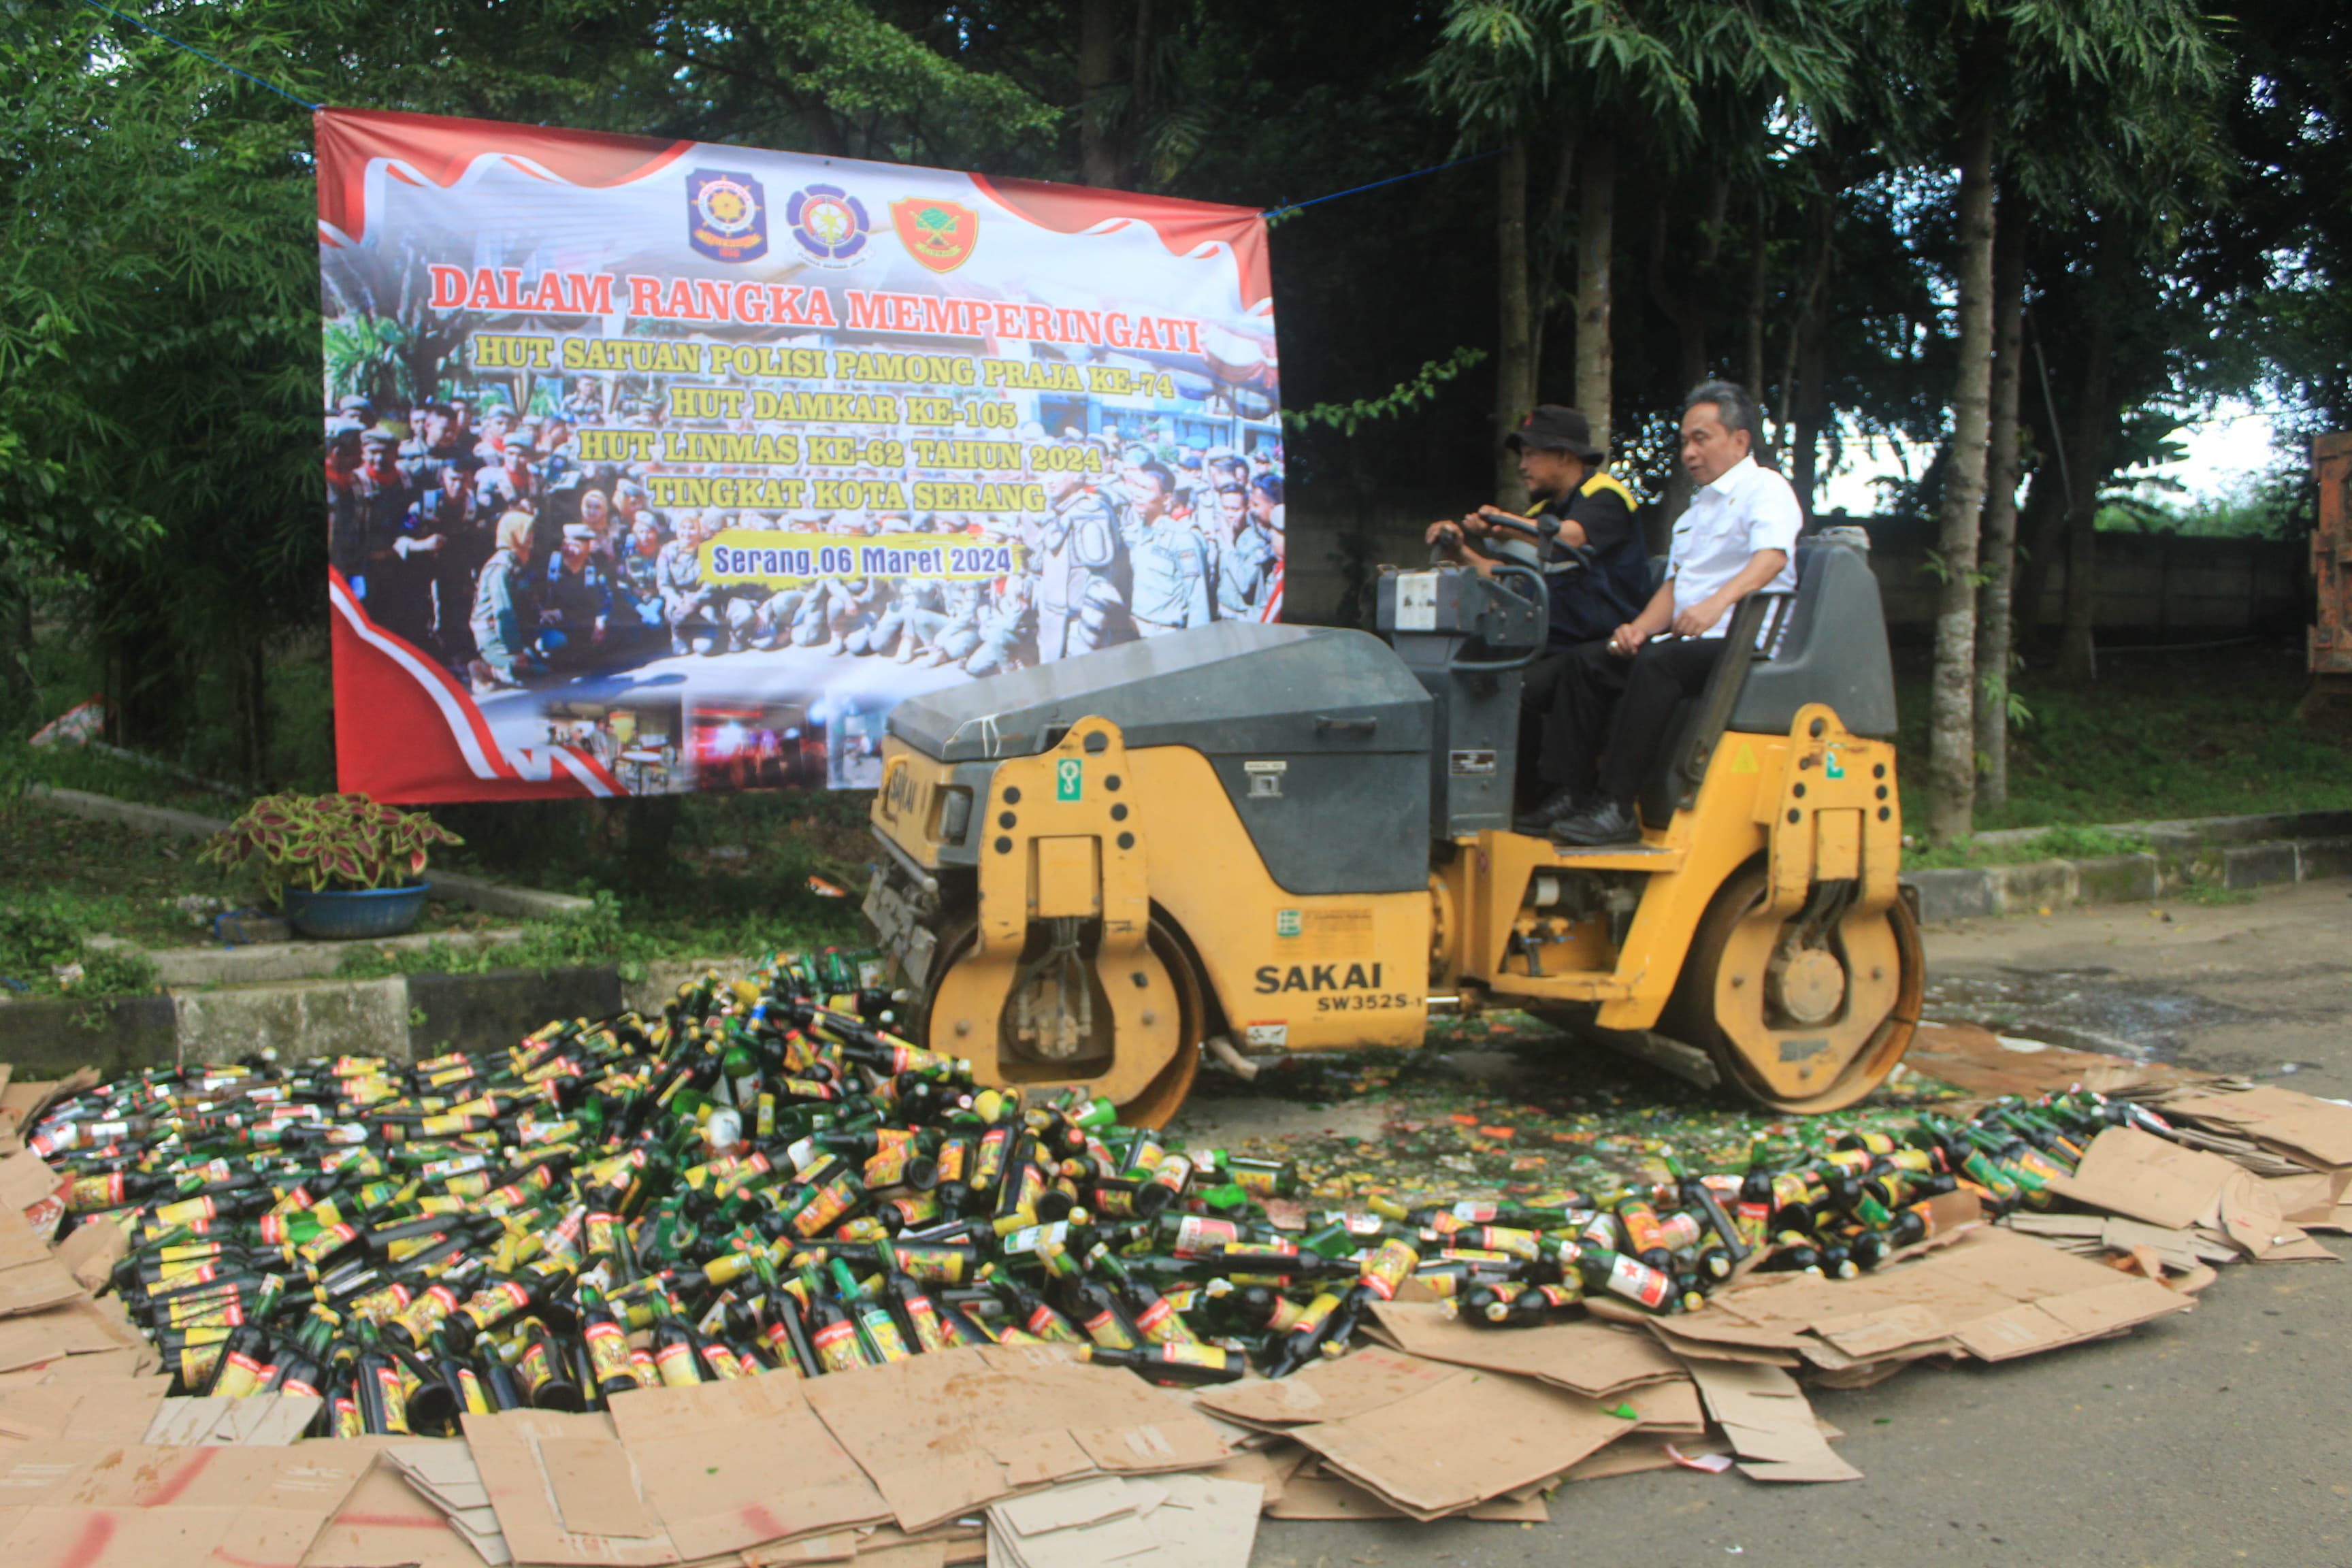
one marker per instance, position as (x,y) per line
(726,216)
(829,223)
(940,235)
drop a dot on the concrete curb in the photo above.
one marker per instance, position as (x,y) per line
(2232,852)
(405,1017)
(265,963)
(454,886)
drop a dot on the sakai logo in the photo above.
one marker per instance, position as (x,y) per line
(940,235)
(726,216)
(829,223)
(1274,977)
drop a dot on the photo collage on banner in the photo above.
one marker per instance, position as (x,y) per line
(659,467)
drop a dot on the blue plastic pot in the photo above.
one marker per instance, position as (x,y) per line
(364,912)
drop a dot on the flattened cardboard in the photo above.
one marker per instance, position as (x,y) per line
(97,1366)
(25,1180)
(941,1436)
(1639,1452)
(1366,1379)
(2250,1217)
(707,1456)
(2316,1132)
(261,1420)
(79,1327)
(593,1484)
(1475,1435)
(2141,1176)
(120,1537)
(121,1411)
(19,1244)
(1993,1293)
(523,1487)
(91,1249)
(1589,1358)
(307,1477)
(35,1286)
(1268,1468)
(1336,1498)
(1770,1426)
(1671,1406)
(386,1524)
(2310,1200)
(1709,1347)
(1975,1059)
(445,1477)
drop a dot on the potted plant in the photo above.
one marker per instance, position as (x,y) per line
(341,865)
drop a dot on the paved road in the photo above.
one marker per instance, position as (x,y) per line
(2220,1435)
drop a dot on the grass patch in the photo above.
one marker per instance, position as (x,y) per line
(2214,894)
(2156,737)
(2064,842)
(603,933)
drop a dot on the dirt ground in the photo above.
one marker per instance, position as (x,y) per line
(2213,1437)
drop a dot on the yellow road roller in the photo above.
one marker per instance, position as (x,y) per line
(1246,839)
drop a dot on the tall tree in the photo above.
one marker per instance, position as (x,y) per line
(1952,729)
(2004,457)
(2011,59)
(1658,74)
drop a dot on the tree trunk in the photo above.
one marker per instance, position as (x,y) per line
(1514,368)
(1952,729)
(2002,460)
(1757,278)
(1812,406)
(1596,242)
(2094,424)
(1098,65)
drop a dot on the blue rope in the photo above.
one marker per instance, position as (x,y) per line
(1376,185)
(202,56)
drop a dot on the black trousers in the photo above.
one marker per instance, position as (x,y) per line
(1601,720)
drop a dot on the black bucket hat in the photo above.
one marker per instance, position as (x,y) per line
(1555,427)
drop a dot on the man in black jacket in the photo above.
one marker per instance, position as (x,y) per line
(1595,570)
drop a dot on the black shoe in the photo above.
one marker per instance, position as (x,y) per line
(1556,808)
(1606,822)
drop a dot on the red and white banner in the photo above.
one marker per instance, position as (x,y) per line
(655,467)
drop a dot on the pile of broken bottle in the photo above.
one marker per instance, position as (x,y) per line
(762,1177)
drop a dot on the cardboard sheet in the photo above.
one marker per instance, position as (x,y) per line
(79,1327)
(1769,1423)
(2141,1176)
(91,1249)
(1993,1294)
(707,1456)
(25,1182)
(534,1462)
(2317,1132)
(118,1537)
(1330,1496)
(1978,1061)
(1590,1358)
(385,1522)
(943,1436)
(1366,1379)
(1471,1437)
(1170,1522)
(83,1411)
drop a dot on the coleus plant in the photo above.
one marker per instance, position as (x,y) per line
(322,843)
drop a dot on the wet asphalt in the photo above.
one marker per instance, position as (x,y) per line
(2220,1435)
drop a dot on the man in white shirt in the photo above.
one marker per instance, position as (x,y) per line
(1739,536)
